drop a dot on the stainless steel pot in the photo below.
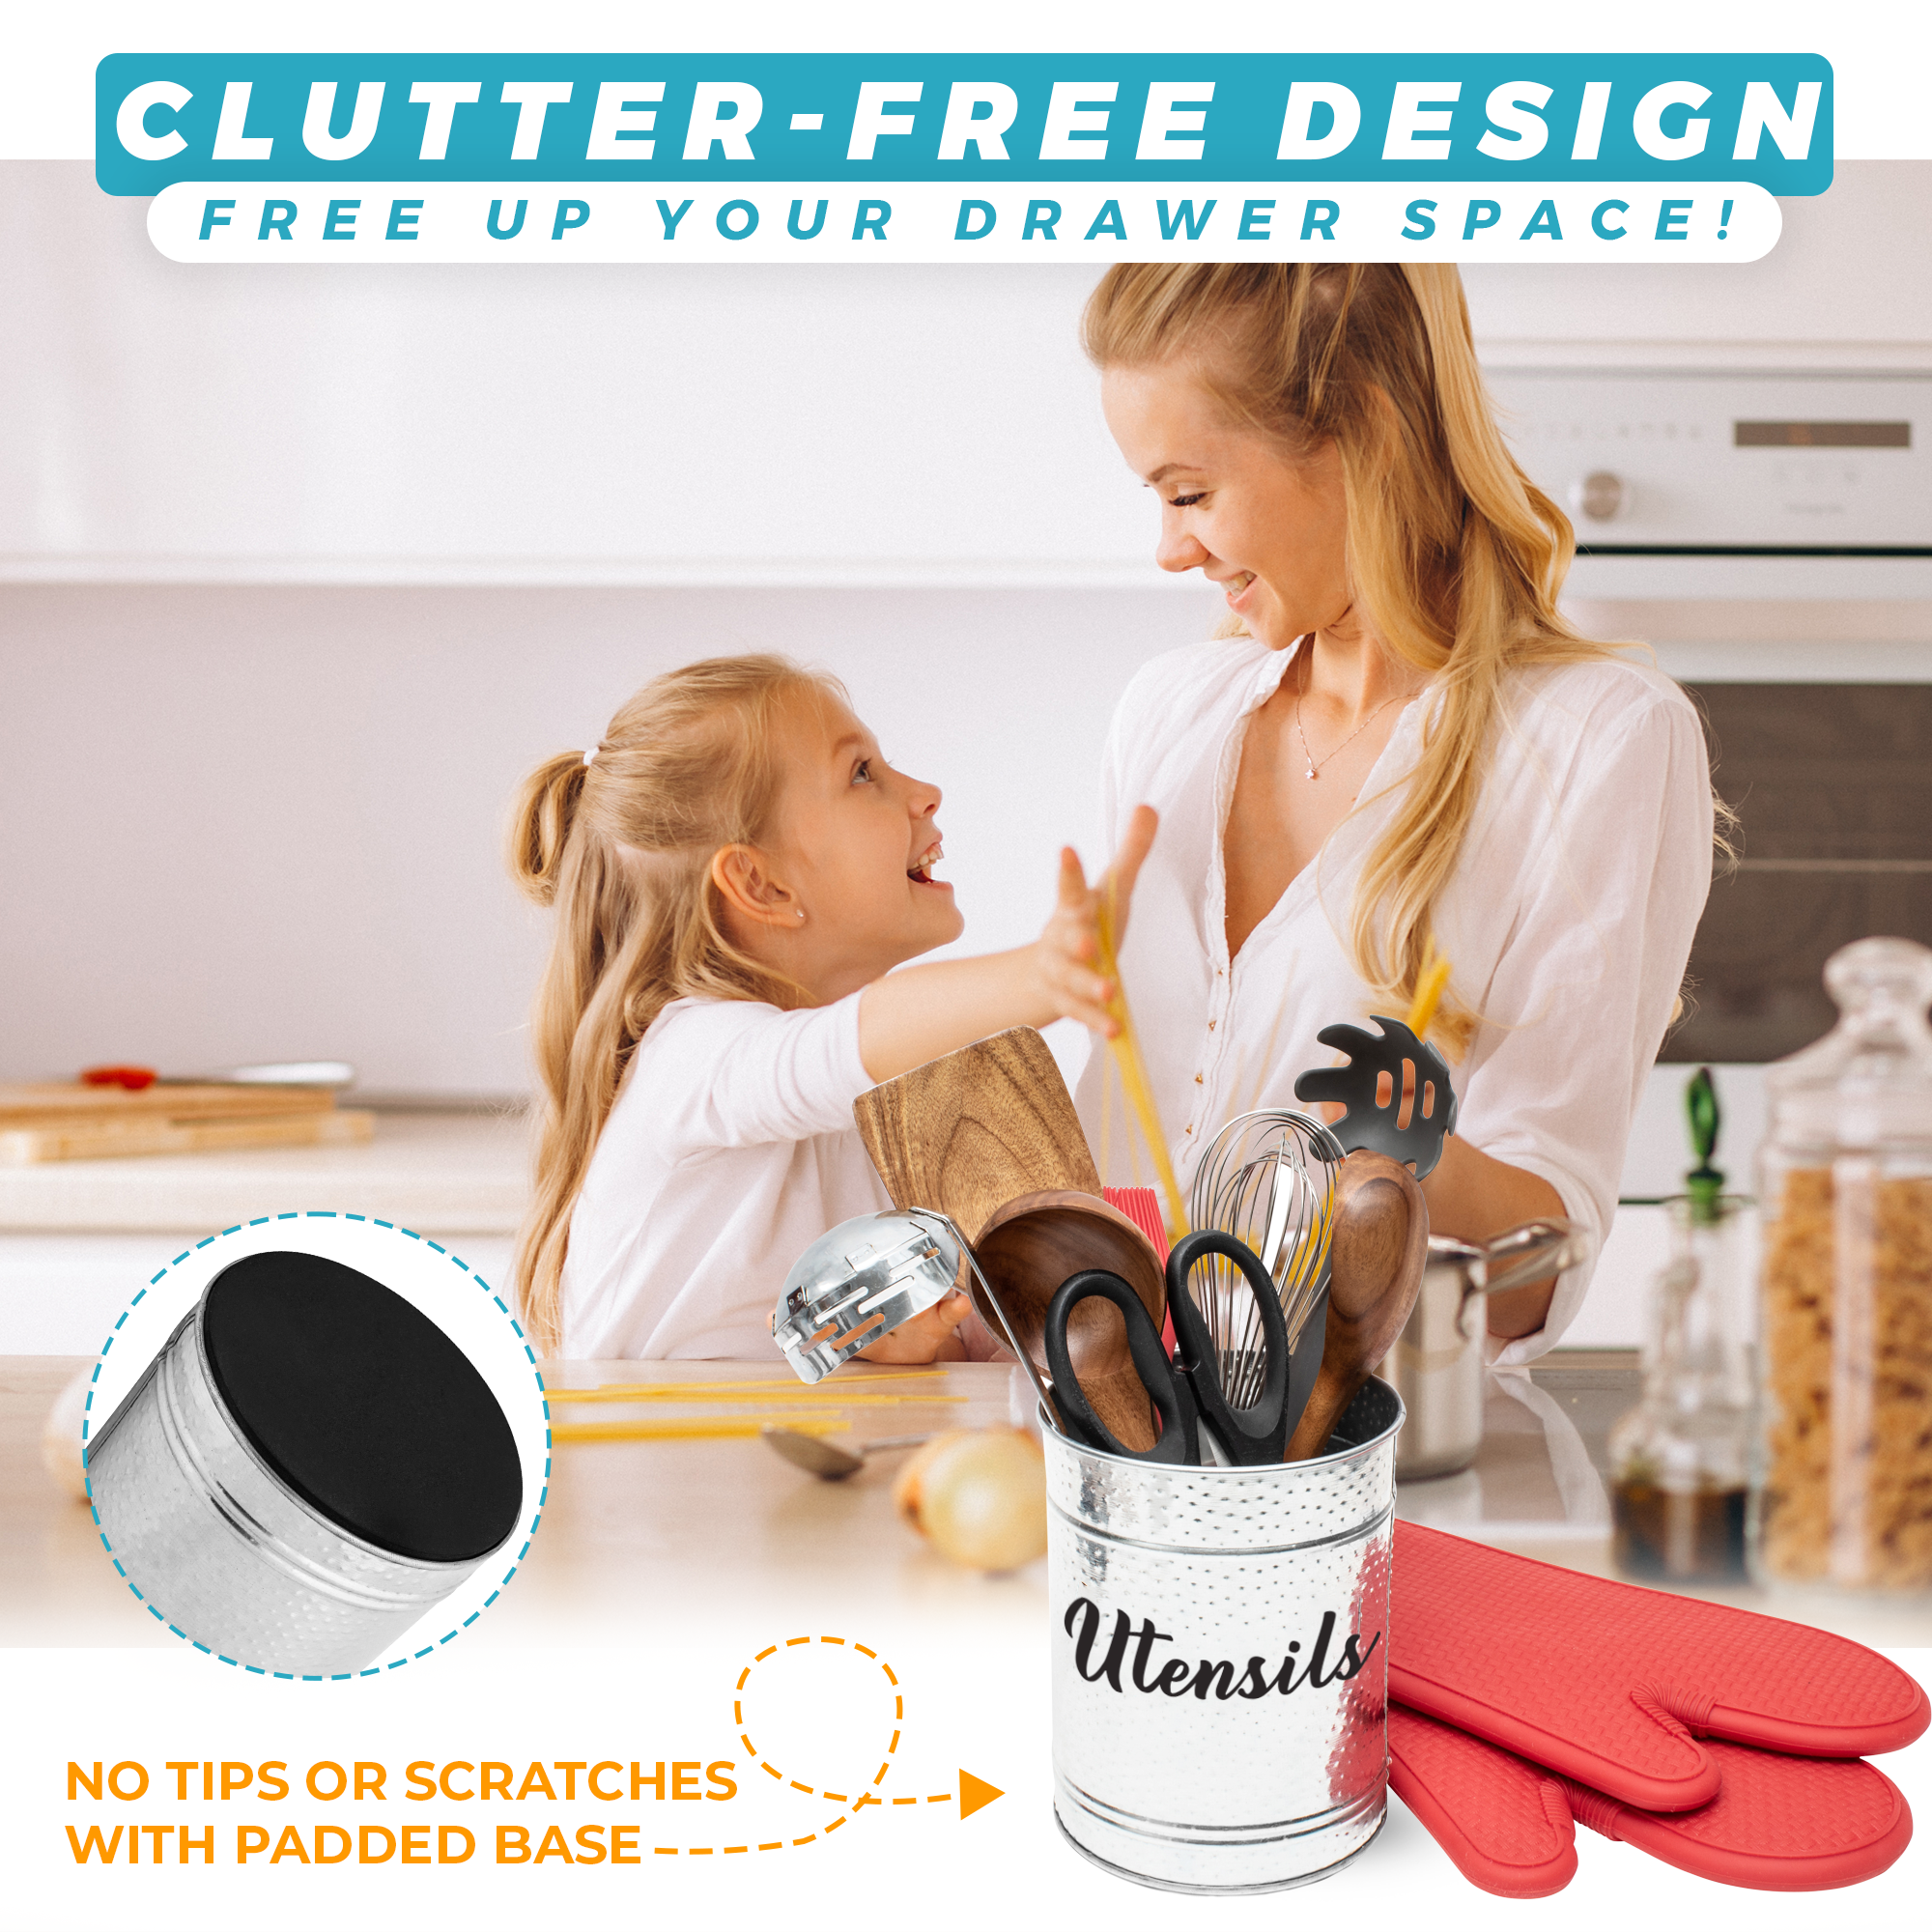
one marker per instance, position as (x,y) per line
(1437,1364)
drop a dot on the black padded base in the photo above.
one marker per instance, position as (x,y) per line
(364,1406)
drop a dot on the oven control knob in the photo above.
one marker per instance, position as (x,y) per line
(1600,496)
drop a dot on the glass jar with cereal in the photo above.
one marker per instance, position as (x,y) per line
(1846,1332)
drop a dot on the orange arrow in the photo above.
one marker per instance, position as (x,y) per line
(976,1794)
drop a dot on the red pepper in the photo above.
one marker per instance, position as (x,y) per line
(132,1078)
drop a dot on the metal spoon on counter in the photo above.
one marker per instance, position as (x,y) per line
(829,1465)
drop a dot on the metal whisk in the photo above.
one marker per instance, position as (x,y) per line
(1269,1180)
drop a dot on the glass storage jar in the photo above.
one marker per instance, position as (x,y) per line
(1845,1182)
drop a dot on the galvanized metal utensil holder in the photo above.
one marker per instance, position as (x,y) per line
(1220,1658)
(225,1549)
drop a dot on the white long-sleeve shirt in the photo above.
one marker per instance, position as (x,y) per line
(729,1150)
(1569,919)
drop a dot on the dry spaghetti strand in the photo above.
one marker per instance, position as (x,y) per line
(1134,1084)
(854,1388)
(698,1427)
(1430,983)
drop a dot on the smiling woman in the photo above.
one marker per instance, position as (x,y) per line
(1397,741)
(736,868)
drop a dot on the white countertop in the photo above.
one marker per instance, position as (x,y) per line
(450,1173)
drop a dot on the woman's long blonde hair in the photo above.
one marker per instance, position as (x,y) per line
(1455,555)
(622,849)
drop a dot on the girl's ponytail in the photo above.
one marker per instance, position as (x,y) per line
(540,823)
(621,850)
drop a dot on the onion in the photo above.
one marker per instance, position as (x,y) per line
(979,1496)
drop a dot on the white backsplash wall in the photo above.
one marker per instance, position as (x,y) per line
(265,823)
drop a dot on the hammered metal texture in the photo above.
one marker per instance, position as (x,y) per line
(225,1551)
(1190,1785)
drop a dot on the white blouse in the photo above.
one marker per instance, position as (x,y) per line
(729,1150)
(1569,919)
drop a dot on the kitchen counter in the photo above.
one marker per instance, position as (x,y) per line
(79,1237)
(456,1174)
(625,1524)
(633,1525)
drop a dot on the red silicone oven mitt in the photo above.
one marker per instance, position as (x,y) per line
(1614,1685)
(1777,1823)
(1504,1821)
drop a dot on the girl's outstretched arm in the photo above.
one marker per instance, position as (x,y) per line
(920,1012)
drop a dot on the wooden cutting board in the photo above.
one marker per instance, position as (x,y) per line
(972,1131)
(75,1137)
(69,1103)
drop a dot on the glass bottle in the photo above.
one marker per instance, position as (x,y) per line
(1680,1459)
(1846,1180)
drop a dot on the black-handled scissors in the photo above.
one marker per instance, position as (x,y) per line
(1188,1388)
(1179,1440)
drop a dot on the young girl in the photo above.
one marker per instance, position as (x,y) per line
(735,869)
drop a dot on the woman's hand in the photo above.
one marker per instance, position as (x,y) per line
(930,1336)
(1070,946)
(1476,1197)
(920,1012)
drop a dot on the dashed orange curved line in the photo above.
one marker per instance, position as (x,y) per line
(854,1805)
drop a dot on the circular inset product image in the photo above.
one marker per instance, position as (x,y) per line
(308,1467)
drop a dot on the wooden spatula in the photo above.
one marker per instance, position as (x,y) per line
(1376,1257)
(972,1131)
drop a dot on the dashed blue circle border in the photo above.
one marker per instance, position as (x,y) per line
(543,1497)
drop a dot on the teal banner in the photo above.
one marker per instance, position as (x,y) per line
(964,118)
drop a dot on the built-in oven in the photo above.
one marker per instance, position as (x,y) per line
(1770,538)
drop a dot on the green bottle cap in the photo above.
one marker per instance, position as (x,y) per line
(1704,1181)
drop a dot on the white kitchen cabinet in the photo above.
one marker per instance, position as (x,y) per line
(1615,1310)
(60,1294)
(588,425)
(923,425)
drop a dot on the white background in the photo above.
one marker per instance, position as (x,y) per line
(972,1703)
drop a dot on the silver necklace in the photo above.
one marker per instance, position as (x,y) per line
(1314,768)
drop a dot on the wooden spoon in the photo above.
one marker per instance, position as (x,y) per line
(1030,1246)
(1375,1258)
